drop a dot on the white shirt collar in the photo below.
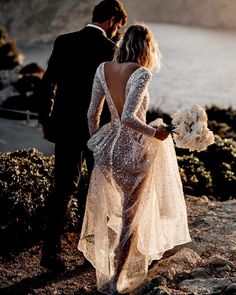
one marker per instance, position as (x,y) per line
(97,27)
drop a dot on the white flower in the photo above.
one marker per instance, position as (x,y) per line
(190,129)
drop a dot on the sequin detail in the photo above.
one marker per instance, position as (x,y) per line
(135,194)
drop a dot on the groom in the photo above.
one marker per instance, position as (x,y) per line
(64,100)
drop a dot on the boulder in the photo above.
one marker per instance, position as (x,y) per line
(182,261)
(207,286)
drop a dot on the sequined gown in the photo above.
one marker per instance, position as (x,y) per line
(135,192)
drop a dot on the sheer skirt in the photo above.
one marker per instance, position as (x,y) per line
(135,204)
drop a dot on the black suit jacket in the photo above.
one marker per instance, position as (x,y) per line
(65,91)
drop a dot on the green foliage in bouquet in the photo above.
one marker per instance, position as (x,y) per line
(10,57)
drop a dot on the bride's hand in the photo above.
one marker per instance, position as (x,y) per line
(161,133)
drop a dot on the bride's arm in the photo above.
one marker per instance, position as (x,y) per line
(134,100)
(96,105)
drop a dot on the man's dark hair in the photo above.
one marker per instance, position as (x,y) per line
(106,9)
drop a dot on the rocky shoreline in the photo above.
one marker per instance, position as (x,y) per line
(206,265)
(33,21)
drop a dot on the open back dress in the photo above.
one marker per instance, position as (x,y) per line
(135,189)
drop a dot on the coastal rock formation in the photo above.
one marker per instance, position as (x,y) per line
(206,13)
(42,21)
(206,265)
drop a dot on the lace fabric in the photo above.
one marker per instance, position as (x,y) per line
(135,194)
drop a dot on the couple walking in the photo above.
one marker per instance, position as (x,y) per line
(135,208)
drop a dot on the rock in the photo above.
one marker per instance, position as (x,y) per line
(7,92)
(149,289)
(214,266)
(165,291)
(205,286)
(9,77)
(212,234)
(145,288)
(7,80)
(159,281)
(48,20)
(160,291)
(32,69)
(180,272)
(219,262)
(229,290)
(182,261)
(200,272)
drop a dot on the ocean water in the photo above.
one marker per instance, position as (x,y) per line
(198,66)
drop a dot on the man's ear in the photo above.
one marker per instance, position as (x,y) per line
(112,21)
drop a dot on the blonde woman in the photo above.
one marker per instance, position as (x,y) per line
(135,207)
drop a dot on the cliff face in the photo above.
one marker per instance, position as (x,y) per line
(208,13)
(42,20)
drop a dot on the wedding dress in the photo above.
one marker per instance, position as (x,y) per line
(135,191)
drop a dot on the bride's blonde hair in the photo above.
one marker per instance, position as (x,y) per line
(139,45)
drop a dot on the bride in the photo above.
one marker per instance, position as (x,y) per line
(135,208)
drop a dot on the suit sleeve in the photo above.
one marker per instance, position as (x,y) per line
(47,87)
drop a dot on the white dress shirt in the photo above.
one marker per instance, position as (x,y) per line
(97,27)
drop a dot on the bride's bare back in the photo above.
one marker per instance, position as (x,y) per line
(135,183)
(117,76)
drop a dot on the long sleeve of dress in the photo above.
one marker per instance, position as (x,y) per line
(134,100)
(96,104)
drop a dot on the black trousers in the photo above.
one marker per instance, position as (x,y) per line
(69,158)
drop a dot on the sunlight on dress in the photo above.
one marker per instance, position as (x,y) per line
(135,192)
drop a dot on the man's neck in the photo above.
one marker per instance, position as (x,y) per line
(99,27)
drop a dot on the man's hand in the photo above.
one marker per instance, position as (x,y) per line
(43,130)
(48,130)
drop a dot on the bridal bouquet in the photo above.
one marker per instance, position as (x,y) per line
(189,127)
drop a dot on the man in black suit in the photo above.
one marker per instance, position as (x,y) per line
(64,95)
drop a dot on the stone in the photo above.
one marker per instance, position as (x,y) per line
(202,286)
(200,272)
(182,261)
(160,291)
(159,281)
(219,262)
(229,290)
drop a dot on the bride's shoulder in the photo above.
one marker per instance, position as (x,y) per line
(134,70)
(142,73)
(99,69)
